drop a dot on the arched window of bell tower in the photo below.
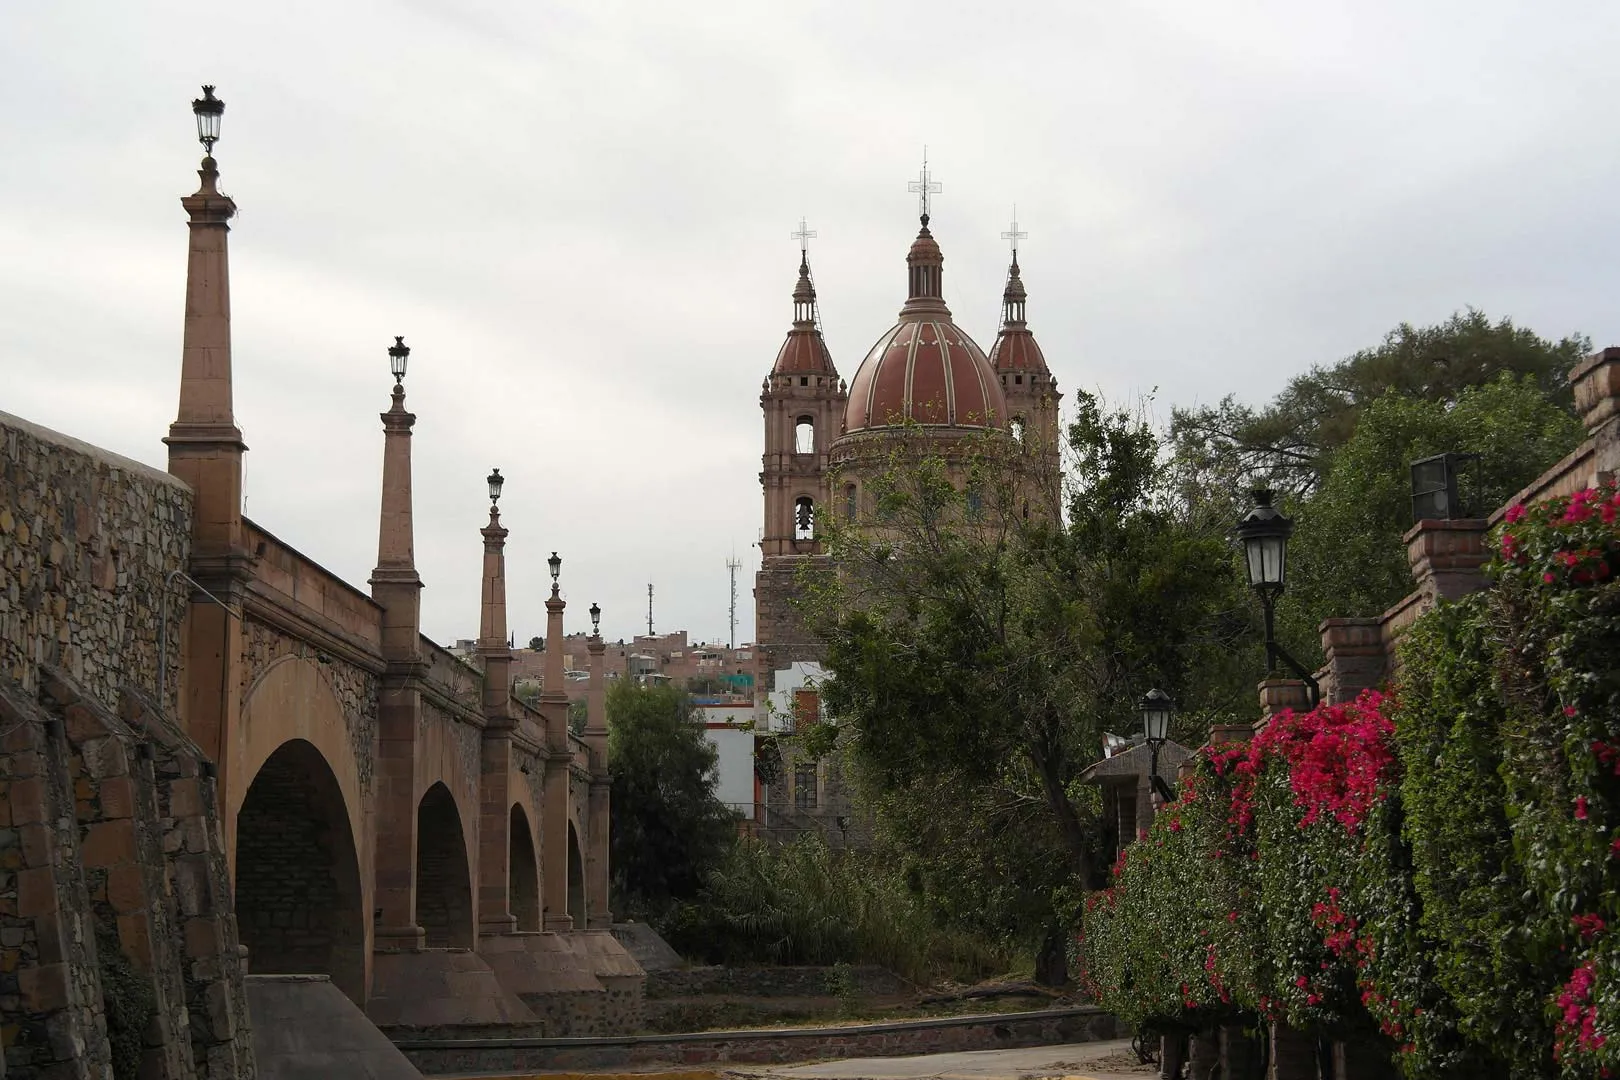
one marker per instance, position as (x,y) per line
(804,518)
(804,435)
(1018,430)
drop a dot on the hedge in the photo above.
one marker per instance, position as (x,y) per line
(1435,869)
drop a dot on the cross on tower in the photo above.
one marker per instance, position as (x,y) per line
(924,187)
(1013,234)
(804,234)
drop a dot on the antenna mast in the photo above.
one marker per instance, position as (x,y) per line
(649,609)
(733,565)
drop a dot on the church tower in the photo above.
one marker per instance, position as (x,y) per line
(1032,393)
(803,401)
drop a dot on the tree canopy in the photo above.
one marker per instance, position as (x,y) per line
(668,828)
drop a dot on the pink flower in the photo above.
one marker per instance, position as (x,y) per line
(1547,578)
(1590,926)
(1515,513)
(1580,808)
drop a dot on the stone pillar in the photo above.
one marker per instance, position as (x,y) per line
(1203,1054)
(397,587)
(1238,1058)
(1596,382)
(598,916)
(1126,803)
(205,450)
(1279,694)
(1366,1058)
(1355,657)
(554,815)
(1172,1056)
(1293,1054)
(1447,556)
(495,779)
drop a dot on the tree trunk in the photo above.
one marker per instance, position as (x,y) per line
(1052,962)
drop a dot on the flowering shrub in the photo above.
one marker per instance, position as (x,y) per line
(1440,869)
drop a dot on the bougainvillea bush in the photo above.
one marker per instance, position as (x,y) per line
(1437,869)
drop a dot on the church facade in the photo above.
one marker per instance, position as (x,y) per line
(924,384)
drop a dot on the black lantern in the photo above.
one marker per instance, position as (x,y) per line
(1156,708)
(495,481)
(208,110)
(1434,487)
(399,354)
(1264,532)
(596,619)
(555,562)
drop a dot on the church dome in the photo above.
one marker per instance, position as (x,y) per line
(805,351)
(925,369)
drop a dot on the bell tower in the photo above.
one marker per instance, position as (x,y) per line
(1032,393)
(803,401)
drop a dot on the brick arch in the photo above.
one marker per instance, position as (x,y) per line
(444,898)
(523,871)
(299,903)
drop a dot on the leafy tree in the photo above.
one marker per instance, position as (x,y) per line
(578,716)
(979,655)
(1347,556)
(668,828)
(1291,440)
(537,643)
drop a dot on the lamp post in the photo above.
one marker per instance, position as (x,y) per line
(398,354)
(495,481)
(555,562)
(596,617)
(208,110)
(1264,533)
(1156,708)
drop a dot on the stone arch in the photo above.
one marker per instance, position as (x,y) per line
(576,879)
(444,901)
(804,518)
(804,435)
(523,872)
(299,903)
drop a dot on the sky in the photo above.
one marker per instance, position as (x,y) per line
(578,214)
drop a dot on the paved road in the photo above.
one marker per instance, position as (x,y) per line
(1111,1060)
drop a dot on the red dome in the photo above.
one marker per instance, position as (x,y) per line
(1015,349)
(804,353)
(928,371)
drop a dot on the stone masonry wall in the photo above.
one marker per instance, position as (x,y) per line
(770,981)
(87,539)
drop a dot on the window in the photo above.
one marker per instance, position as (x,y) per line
(804,787)
(975,504)
(852,501)
(804,435)
(804,518)
(1018,430)
(804,380)
(1019,379)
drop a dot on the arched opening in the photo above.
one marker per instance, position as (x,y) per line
(852,502)
(1017,427)
(443,885)
(804,435)
(298,900)
(804,518)
(576,880)
(523,883)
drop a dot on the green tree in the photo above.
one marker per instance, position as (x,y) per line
(1347,556)
(668,828)
(979,655)
(537,643)
(1291,440)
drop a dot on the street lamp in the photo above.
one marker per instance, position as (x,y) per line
(398,354)
(596,620)
(208,110)
(1156,708)
(495,481)
(555,562)
(1264,533)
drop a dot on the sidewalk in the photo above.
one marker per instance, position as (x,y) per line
(1111,1060)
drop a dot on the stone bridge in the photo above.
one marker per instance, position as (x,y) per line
(391,815)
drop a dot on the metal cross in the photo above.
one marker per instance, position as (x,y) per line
(923,186)
(804,234)
(1013,234)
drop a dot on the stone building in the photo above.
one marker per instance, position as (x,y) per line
(262,754)
(924,386)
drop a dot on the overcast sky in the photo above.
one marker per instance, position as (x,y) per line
(578,214)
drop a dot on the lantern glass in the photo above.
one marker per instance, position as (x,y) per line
(1156,709)
(208,109)
(555,562)
(398,354)
(596,618)
(495,481)
(1267,558)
